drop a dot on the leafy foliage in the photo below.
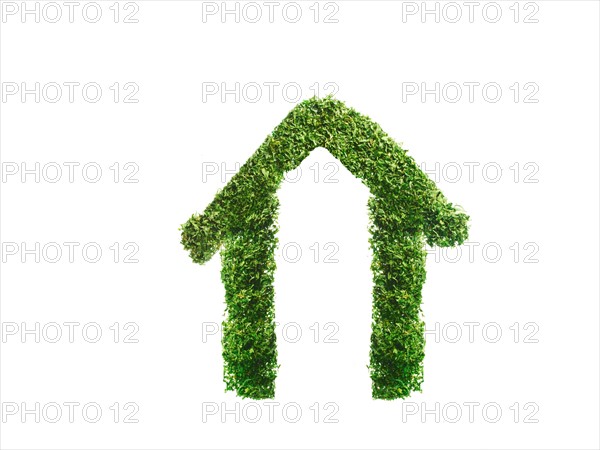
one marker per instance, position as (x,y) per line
(406,211)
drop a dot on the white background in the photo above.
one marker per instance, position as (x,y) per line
(173,135)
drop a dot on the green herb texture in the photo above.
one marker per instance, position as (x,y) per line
(406,209)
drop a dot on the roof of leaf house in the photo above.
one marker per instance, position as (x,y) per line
(391,175)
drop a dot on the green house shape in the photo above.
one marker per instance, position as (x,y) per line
(406,210)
